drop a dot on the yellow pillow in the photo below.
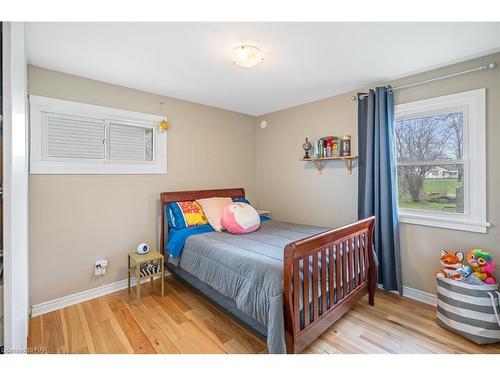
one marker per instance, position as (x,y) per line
(192,213)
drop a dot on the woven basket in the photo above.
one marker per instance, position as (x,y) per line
(472,311)
(149,269)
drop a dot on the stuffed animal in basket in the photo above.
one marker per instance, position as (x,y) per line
(452,265)
(467,276)
(482,265)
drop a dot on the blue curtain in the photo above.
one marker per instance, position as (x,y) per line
(377,189)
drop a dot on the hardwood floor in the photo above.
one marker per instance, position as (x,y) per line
(184,322)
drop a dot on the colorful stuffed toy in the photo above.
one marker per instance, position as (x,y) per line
(452,263)
(482,264)
(467,276)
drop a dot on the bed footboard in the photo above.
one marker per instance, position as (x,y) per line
(324,275)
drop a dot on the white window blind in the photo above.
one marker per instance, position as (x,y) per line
(74,137)
(130,143)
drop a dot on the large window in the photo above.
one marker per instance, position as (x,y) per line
(73,138)
(440,152)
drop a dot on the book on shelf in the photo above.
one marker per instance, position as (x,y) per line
(327,147)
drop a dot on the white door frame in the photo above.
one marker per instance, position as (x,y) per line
(15,180)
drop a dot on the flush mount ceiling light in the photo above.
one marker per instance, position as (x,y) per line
(247,56)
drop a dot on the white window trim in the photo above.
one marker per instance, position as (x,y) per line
(39,165)
(15,184)
(474,217)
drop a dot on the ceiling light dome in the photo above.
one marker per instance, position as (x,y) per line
(247,56)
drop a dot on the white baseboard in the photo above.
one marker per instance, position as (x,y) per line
(417,295)
(73,299)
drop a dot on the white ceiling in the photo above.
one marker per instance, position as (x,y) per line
(305,61)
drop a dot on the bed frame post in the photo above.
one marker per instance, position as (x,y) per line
(162,231)
(287,298)
(372,283)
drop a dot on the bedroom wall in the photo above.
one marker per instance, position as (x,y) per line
(294,191)
(75,220)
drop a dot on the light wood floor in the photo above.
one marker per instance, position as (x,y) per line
(184,322)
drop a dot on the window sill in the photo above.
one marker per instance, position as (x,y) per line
(467,224)
(43,167)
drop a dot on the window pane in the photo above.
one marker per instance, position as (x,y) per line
(130,143)
(431,187)
(436,137)
(74,137)
(148,139)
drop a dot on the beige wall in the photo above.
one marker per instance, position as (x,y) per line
(294,191)
(76,219)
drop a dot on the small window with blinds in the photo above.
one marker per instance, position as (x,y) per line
(72,138)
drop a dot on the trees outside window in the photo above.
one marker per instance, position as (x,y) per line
(429,152)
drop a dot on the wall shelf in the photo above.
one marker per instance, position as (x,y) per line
(319,162)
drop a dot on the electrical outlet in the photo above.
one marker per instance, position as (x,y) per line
(100,267)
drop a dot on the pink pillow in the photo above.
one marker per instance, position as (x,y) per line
(212,207)
(239,218)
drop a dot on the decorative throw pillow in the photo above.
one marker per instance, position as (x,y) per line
(239,218)
(212,207)
(185,214)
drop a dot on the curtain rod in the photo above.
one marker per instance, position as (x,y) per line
(492,65)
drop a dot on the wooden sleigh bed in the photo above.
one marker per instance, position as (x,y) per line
(340,263)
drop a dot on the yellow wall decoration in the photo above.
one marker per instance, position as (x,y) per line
(164,125)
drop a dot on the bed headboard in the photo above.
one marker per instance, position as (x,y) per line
(175,196)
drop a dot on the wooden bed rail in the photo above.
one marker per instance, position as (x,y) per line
(324,275)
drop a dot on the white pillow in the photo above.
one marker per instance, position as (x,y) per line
(212,207)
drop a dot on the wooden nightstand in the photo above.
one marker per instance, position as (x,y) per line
(135,271)
(266,213)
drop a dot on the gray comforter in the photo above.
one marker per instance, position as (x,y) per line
(247,269)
